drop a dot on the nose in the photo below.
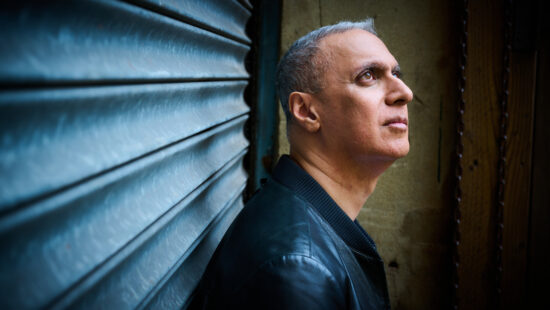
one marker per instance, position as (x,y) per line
(398,92)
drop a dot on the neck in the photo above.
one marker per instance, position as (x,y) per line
(347,184)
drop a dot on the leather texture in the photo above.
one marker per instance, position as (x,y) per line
(283,253)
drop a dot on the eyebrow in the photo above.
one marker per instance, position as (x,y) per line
(377,67)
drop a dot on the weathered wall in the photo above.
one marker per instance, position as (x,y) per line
(409,213)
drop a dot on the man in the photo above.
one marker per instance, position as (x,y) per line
(296,244)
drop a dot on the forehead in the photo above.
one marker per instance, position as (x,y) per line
(354,48)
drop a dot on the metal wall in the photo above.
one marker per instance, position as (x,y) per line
(121,148)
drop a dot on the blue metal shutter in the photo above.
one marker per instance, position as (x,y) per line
(121,148)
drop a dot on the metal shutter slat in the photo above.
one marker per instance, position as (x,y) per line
(224,17)
(104,127)
(246,4)
(108,42)
(154,257)
(88,225)
(179,286)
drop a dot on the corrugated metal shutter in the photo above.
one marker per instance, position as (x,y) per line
(121,148)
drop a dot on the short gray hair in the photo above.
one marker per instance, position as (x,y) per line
(301,70)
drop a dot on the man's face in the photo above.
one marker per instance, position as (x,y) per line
(363,104)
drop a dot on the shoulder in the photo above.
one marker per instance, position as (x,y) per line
(272,224)
(275,227)
(277,222)
(277,247)
(274,216)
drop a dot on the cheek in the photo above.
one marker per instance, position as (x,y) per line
(368,109)
(363,134)
(363,124)
(366,122)
(354,114)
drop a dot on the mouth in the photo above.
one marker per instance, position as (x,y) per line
(397,123)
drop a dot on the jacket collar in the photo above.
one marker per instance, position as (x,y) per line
(288,173)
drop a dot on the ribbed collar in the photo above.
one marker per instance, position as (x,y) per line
(288,173)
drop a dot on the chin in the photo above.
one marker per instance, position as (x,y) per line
(403,153)
(385,152)
(400,150)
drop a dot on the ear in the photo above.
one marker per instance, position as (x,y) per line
(303,110)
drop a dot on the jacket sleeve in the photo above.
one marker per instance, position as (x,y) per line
(290,282)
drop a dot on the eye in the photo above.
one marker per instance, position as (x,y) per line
(397,74)
(367,76)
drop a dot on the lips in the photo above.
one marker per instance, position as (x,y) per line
(397,121)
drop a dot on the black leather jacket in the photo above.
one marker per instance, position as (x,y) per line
(292,247)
